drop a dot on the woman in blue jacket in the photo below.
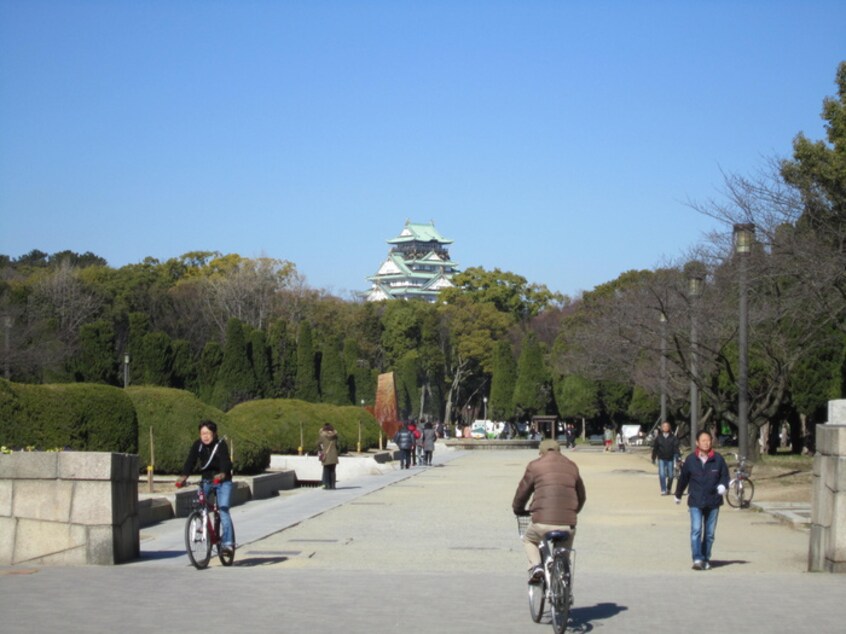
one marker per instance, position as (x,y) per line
(707,474)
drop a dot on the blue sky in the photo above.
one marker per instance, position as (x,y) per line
(557,140)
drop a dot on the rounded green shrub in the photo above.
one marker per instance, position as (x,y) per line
(76,416)
(286,423)
(173,416)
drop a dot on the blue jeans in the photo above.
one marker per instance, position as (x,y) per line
(224,493)
(665,475)
(700,547)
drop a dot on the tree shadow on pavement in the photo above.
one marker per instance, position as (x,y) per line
(582,618)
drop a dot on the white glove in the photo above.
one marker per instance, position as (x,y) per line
(721,489)
(678,500)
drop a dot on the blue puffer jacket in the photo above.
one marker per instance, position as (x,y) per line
(703,480)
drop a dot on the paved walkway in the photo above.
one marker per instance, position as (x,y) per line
(435,550)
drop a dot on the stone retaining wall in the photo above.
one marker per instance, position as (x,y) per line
(68,508)
(827,549)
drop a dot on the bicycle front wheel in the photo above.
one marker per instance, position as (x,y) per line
(537,594)
(197,541)
(559,596)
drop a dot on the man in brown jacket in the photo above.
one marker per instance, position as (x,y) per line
(559,495)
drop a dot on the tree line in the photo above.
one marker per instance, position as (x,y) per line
(232,329)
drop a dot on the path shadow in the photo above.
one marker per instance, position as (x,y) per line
(252,562)
(160,554)
(728,562)
(582,618)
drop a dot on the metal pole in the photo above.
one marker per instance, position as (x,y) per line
(663,367)
(694,374)
(125,370)
(743,366)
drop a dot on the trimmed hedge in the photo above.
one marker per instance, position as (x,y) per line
(174,416)
(76,416)
(279,422)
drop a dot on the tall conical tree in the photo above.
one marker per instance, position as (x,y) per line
(156,358)
(408,384)
(306,389)
(210,362)
(531,392)
(359,377)
(503,382)
(284,354)
(333,377)
(260,360)
(236,381)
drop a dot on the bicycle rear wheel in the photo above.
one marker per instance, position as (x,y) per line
(740,493)
(227,559)
(559,596)
(197,541)
(537,594)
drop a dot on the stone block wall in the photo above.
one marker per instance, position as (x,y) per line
(827,549)
(68,508)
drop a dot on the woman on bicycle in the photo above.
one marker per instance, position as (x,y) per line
(212,453)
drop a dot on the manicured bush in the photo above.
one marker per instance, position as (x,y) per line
(77,416)
(285,423)
(174,416)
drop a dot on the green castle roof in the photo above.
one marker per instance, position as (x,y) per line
(419,232)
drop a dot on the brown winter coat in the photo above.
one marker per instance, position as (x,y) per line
(559,493)
(328,443)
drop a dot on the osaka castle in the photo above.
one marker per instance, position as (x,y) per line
(417,266)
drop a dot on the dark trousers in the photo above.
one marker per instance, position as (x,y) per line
(405,458)
(329,476)
(427,457)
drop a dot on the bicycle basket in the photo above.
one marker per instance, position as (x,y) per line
(523,522)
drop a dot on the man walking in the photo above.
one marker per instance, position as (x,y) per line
(665,449)
(559,495)
(404,440)
(707,474)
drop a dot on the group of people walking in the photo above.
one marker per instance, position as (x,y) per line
(416,446)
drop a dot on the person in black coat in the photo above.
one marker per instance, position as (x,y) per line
(707,474)
(665,449)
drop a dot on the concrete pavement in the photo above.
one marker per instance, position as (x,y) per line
(436,549)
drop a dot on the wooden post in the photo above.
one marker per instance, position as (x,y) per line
(152,464)
(302,440)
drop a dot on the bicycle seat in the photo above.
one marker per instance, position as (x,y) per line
(557,536)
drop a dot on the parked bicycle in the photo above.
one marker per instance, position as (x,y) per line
(202,531)
(556,585)
(741,489)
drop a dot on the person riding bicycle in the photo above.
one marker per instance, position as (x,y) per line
(559,496)
(216,468)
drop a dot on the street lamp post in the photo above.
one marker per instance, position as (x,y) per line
(695,282)
(744,235)
(485,401)
(126,370)
(663,319)
(358,448)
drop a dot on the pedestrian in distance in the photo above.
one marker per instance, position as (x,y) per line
(706,472)
(404,441)
(665,449)
(427,441)
(555,487)
(621,445)
(608,437)
(327,444)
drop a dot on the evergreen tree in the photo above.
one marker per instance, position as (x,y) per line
(260,360)
(96,361)
(408,385)
(531,392)
(359,376)
(503,382)
(184,375)
(156,359)
(207,369)
(333,376)
(236,381)
(283,347)
(139,325)
(306,387)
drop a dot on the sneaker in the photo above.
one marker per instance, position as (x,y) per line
(228,549)
(664,493)
(535,574)
(706,565)
(697,565)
